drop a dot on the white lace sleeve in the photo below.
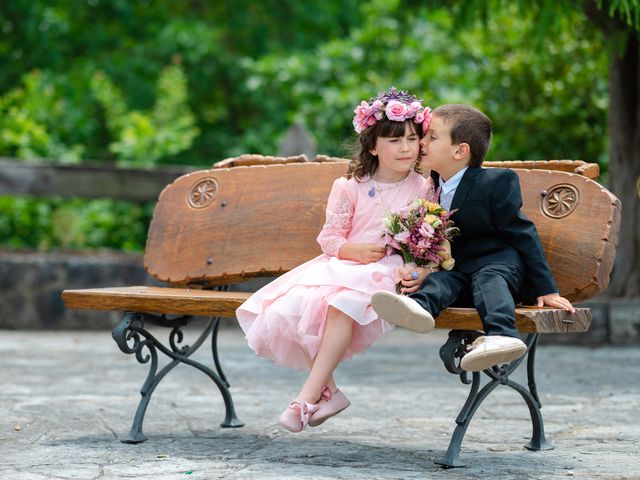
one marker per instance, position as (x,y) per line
(337,226)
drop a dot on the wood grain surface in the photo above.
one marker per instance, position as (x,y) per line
(178,301)
(184,301)
(264,220)
(224,225)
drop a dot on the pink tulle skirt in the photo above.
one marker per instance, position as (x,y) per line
(285,320)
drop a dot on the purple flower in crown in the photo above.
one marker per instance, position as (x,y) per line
(397,105)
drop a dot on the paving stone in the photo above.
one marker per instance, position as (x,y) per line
(67,397)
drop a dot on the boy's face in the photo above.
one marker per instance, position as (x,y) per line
(437,149)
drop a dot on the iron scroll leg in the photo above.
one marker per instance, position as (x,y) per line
(454,349)
(538,440)
(475,398)
(135,434)
(129,334)
(500,374)
(214,350)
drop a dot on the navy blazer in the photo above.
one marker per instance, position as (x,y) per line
(495,230)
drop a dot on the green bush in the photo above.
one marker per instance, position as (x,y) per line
(142,138)
(37,121)
(164,82)
(73,224)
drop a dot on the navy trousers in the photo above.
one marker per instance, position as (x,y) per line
(493,290)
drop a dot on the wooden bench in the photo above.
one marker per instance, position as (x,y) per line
(215,227)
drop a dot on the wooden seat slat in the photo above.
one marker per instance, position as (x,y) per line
(528,320)
(213,303)
(174,301)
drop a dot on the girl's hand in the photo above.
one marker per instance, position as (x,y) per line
(411,284)
(362,252)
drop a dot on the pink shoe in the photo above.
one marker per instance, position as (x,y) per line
(333,404)
(296,417)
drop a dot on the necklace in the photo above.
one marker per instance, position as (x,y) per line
(380,198)
(373,190)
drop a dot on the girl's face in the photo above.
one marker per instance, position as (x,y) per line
(397,155)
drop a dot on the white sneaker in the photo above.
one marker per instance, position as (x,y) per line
(489,350)
(402,311)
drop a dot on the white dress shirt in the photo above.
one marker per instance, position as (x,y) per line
(448,189)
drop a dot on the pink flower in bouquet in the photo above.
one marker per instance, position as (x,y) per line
(422,234)
(426,230)
(402,237)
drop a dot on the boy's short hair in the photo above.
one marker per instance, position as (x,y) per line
(467,125)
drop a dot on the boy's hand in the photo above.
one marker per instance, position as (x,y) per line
(362,252)
(412,282)
(556,301)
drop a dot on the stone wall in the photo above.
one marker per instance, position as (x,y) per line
(31,284)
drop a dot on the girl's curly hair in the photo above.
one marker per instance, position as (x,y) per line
(364,162)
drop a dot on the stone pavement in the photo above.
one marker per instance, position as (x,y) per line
(66,398)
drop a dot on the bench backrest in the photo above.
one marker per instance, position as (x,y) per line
(589,170)
(225,225)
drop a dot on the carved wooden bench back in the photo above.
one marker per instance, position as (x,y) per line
(589,170)
(225,225)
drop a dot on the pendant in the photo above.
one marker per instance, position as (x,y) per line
(372,192)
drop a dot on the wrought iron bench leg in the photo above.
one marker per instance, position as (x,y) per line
(135,434)
(454,349)
(131,329)
(538,440)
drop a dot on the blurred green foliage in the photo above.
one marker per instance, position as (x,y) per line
(141,139)
(194,82)
(73,224)
(160,82)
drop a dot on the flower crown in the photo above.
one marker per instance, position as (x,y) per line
(397,105)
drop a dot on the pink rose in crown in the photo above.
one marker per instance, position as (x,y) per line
(396,105)
(365,116)
(415,107)
(362,109)
(396,111)
(427,119)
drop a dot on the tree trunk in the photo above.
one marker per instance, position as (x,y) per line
(624,164)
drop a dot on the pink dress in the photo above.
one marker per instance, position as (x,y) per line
(285,319)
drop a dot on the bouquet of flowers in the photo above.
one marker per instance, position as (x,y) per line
(422,234)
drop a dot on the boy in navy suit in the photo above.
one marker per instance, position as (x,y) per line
(499,259)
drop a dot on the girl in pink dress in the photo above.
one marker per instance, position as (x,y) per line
(319,313)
